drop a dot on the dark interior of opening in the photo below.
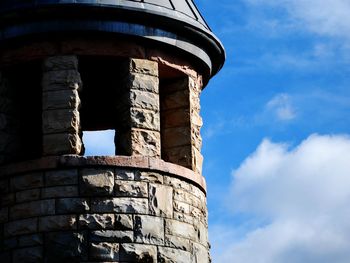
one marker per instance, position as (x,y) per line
(101,81)
(26,92)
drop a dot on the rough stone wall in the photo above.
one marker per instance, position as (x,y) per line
(102,214)
(138,104)
(61,119)
(9,137)
(181,123)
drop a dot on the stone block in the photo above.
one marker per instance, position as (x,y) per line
(60,121)
(30,254)
(161,200)
(60,63)
(124,222)
(61,80)
(180,229)
(202,233)
(3,215)
(142,100)
(198,215)
(149,230)
(4,186)
(181,207)
(131,189)
(65,247)
(143,66)
(177,183)
(140,142)
(174,137)
(62,143)
(27,181)
(144,119)
(57,222)
(104,252)
(201,254)
(175,100)
(28,195)
(8,199)
(72,205)
(181,155)
(124,174)
(96,221)
(6,256)
(176,118)
(9,243)
(197,200)
(170,255)
(61,99)
(149,176)
(184,218)
(126,205)
(21,227)
(59,191)
(197,161)
(30,240)
(177,242)
(96,182)
(33,208)
(112,236)
(138,253)
(61,177)
(143,82)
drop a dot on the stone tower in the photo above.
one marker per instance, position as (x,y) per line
(134,66)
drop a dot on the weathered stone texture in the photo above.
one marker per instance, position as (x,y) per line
(96,221)
(63,177)
(140,110)
(181,123)
(120,205)
(66,247)
(161,200)
(138,253)
(95,182)
(149,230)
(104,251)
(105,214)
(170,255)
(59,191)
(62,143)
(31,254)
(124,222)
(34,208)
(112,236)
(61,119)
(57,223)
(72,205)
(131,188)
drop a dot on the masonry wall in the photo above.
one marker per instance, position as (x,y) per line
(115,209)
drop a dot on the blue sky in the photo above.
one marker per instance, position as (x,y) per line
(276,135)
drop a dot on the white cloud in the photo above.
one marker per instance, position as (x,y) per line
(281,107)
(323,17)
(303,193)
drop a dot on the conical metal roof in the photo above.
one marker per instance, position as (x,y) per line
(177,23)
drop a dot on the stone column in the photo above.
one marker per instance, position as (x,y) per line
(139,131)
(9,133)
(181,123)
(61,121)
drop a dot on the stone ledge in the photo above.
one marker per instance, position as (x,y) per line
(70,161)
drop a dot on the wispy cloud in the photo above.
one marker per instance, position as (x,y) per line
(303,192)
(281,107)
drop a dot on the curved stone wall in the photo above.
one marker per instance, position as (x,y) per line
(102,209)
